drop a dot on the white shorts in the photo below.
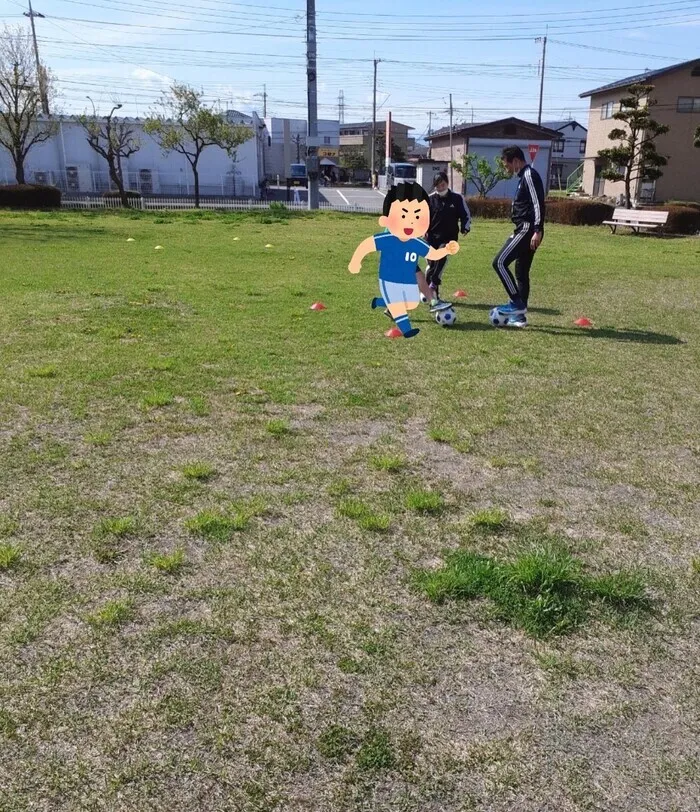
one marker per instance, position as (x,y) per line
(398,292)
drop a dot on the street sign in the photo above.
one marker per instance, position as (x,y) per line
(533,149)
(328,152)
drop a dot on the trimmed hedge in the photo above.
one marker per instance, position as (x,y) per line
(681,219)
(577,212)
(568,211)
(30,196)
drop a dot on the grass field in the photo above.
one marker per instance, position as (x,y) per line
(255,557)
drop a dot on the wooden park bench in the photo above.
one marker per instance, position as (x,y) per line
(637,219)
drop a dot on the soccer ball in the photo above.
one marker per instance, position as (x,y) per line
(423,299)
(446,317)
(498,319)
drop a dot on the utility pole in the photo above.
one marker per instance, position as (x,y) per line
(543,40)
(341,107)
(430,132)
(39,70)
(451,150)
(312,141)
(374,123)
(263,96)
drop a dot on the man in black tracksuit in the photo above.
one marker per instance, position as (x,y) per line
(528,216)
(449,215)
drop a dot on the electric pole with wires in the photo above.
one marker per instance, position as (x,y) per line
(543,40)
(312,100)
(39,69)
(373,140)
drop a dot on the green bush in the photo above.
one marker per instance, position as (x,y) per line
(559,210)
(29,196)
(576,212)
(681,219)
(490,208)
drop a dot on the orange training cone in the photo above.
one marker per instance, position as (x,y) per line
(393,333)
(583,322)
(460,294)
(318,306)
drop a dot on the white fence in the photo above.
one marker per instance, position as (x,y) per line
(83,180)
(187,203)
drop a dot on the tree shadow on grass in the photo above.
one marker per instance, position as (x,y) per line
(635,336)
(44,233)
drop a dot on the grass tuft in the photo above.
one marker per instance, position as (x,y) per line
(425,502)
(392,463)
(217,526)
(169,563)
(489,520)
(10,555)
(543,591)
(113,613)
(200,471)
(278,428)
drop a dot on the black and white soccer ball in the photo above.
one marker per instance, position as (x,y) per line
(423,299)
(446,317)
(497,318)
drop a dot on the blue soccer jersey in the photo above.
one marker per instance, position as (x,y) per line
(398,259)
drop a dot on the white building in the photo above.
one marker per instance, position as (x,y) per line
(286,144)
(68,161)
(568,151)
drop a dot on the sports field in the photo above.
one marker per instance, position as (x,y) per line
(255,557)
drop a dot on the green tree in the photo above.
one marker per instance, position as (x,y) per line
(481,172)
(114,140)
(181,122)
(21,88)
(353,158)
(397,154)
(635,157)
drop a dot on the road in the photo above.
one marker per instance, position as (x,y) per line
(340,197)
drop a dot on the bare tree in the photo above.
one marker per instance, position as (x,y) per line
(182,123)
(20,98)
(114,140)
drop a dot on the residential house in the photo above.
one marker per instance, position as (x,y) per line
(568,151)
(357,137)
(286,144)
(677,93)
(67,161)
(488,140)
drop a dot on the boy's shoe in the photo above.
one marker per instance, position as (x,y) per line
(438,304)
(517,321)
(388,314)
(412,332)
(377,302)
(512,309)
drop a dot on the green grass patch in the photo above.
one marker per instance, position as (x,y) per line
(169,563)
(158,400)
(376,752)
(422,501)
(278,428)
(10,555)
(112,614)
(392,463)
(215,526)
(363,514)
(42,372)
(544,591)
(200,471)
(337,743)
(8,526)
(490,520)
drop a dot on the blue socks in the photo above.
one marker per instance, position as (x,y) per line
(403,323)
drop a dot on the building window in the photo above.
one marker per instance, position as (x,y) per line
(607,110)
(582,147)
(559,145)
(326,139)
(688,104)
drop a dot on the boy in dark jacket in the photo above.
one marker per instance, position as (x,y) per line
(449,216)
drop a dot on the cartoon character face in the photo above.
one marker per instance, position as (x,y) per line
(408,219)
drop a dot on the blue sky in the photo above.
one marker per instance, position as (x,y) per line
(484,54)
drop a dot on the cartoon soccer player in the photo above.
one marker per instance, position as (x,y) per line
(406,215)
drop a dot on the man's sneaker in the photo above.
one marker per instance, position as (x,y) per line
(511,309)
(517,321)
(438,304)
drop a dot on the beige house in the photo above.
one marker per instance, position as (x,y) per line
(677,93)
(488,140)
(354,137)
